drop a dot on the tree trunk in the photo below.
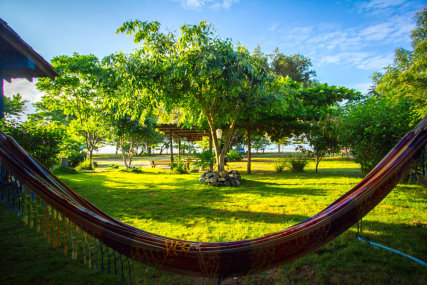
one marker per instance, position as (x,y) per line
(221,152)
(91,154)
(210,148)
(130,152)
(249,150)
(123,153)
(171,146)
(278,147)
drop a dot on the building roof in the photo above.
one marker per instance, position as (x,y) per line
(18,59)
(182,132)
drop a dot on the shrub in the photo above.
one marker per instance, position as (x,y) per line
(64,170)
(279,165)
(179,168)
(42,141)
(113,166)
(85,165)
(233,155)
(372,127)
(76,158)
(73,150)
(298,163)
(136,170)
(205,159)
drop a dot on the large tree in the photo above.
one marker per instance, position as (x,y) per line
(14,106)
(407,77)
(297,66)
(373,126)
(204,75)
(76,94)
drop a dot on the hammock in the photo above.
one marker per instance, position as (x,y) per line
(69,221)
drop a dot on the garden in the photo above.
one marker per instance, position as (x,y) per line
(235,101)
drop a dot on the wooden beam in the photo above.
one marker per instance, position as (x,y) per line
(16,61)
(179,149)
(171,145)
(1,97)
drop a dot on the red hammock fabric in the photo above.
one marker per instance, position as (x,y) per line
(219,259)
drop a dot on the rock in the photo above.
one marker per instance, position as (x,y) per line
(213,180)
(202,180)
(221,179)
(222,173)
(227,183)
(237,182)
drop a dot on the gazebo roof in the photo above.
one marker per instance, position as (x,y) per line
(182,132)
(18,59)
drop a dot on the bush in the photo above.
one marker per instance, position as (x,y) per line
(64,170)
(298,163)
(85,165)
(279,165)
(205,159)
(41,141)
(136,170)
(76,158)
(372,127)
(113,166)
(233,155)
(74,151)
(179,168)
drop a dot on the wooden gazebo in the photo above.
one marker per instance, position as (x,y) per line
(179,132)
(19,60)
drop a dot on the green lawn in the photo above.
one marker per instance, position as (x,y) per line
(178,206)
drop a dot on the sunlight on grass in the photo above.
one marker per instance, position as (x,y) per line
(178,206)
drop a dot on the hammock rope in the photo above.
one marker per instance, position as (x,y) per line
(72,223)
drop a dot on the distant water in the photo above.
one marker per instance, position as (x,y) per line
(110,149)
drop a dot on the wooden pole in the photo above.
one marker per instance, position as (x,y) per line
(179,149)
(249,150)
(171,145)
(1,97)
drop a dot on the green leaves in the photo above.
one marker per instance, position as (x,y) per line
(372,127)
(407,77)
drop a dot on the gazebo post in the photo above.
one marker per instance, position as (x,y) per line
(210,148)
(179,149)
(249,150)
(171,145)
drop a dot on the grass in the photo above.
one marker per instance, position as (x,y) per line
(178,206)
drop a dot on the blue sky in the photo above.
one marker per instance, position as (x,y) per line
(346,40)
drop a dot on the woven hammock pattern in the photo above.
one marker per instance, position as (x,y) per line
(71,223)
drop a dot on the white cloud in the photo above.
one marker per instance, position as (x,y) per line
(381,4)
(193,4)
(212,4)
(272,27)
(361,60)
(365,47)
(26,89)
(362,87)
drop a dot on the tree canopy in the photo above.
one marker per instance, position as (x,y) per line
(204,75)
(76,94)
